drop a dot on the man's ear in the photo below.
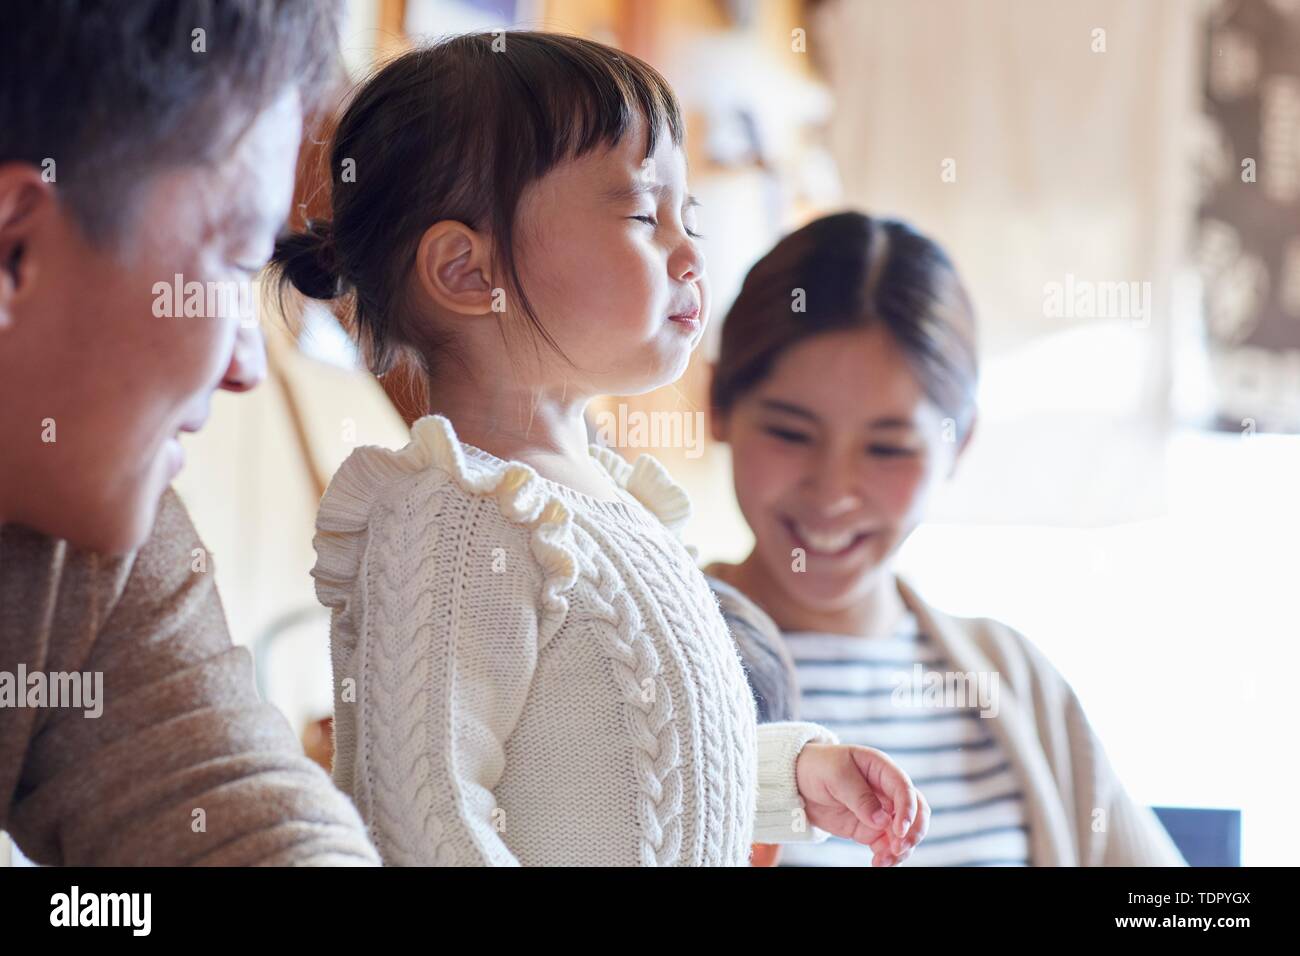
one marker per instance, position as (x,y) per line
(8,292)
(455,269)
(23,195)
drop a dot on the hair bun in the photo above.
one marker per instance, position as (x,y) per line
(310,261)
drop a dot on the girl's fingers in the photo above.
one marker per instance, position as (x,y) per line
(916,832)
(893,788)
(889,786)
(864,801)
(914,835)
(901,813)
(883,854)
(903,795)
(922,824)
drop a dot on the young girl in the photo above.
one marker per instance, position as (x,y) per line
(528,667)
(842,419)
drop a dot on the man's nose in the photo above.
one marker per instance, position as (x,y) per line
(247,361)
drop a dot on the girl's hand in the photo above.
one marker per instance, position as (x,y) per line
(859,793)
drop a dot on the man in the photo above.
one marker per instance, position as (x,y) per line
(140,141)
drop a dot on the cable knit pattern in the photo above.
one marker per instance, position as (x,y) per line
(524,674)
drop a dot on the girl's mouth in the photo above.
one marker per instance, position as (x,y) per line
(690,320)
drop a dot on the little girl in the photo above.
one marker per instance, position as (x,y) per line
(528,667)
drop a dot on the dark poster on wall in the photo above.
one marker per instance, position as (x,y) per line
(1247,243)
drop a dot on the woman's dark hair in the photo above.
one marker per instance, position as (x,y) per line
(456,131)
(850,271)
(112,90)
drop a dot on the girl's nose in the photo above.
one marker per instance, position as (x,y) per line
(247,361)
(687,263)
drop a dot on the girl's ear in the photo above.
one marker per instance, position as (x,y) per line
(453,263)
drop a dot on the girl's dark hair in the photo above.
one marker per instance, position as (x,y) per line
(456,130)
(850,271)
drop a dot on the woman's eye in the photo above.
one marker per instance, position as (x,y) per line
(890,451)
(796,438)
(694,235)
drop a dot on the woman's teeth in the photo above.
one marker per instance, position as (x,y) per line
(827,542)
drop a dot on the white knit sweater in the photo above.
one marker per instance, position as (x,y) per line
(524,674)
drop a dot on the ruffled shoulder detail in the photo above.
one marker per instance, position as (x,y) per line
(343,519)
(648,482)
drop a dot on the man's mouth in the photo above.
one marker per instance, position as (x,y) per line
(175,455)
(193,424)
(172,446)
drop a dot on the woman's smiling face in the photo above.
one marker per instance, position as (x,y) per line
(836,453)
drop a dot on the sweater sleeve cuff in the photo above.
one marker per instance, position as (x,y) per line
(780,817)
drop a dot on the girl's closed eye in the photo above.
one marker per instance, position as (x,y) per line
(650,220)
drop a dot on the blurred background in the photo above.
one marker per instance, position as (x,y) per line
(1130,501)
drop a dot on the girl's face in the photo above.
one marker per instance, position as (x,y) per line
(608,256)
(835,456)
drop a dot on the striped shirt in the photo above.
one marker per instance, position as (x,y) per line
(870,691)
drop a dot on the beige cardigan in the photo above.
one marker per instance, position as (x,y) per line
(1062,766)
(184,765)
(1042,727)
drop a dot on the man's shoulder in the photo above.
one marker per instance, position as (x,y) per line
(57,600)
(173,540)
(172,561)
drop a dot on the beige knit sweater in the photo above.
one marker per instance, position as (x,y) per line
(528,675)
(184,765)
